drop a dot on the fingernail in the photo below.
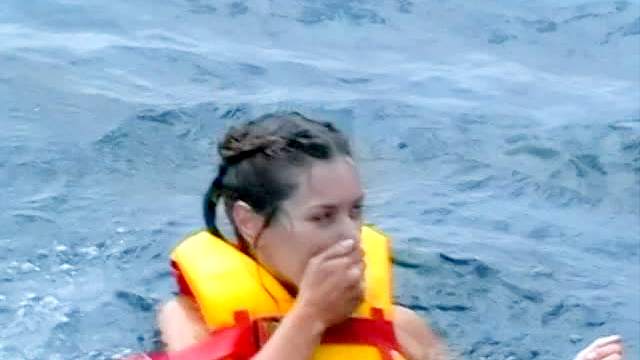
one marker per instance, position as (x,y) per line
(591,356)
(347,244)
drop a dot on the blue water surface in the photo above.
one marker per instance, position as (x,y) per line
(499,143)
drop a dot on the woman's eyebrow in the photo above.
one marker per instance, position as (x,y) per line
(323,206)
(329,205)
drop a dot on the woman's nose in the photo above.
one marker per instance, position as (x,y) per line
(350,228)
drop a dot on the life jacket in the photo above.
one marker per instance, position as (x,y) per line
(239,299)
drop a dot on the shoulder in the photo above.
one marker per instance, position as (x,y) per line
(416,338)
(180,323)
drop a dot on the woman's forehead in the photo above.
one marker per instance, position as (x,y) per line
(331,182)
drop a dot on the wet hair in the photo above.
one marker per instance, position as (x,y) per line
(257,160)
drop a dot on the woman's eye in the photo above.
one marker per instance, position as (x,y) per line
(356,211)
(322,217)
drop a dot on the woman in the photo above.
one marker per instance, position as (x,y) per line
(291,191)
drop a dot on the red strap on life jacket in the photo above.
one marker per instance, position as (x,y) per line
(376,332)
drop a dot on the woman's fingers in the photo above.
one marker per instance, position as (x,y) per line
(603,348)
(354,274)
(606,340)
(339,249)
(604,352)
(613,357)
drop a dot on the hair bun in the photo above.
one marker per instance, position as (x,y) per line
(242,143)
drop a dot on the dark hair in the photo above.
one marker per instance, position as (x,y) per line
(257,158)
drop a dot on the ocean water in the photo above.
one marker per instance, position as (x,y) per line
(499,143)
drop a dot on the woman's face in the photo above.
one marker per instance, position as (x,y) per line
(325,208)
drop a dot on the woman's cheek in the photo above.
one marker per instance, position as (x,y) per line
(299,255)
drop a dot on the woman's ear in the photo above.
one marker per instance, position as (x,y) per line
(248,223)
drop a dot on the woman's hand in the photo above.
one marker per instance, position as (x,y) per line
(604,348)
(332,285)
(330,290)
